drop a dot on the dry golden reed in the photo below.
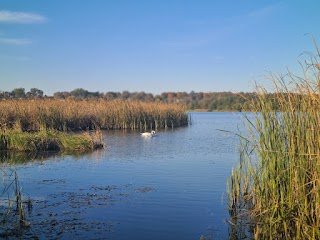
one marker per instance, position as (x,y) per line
(64,115)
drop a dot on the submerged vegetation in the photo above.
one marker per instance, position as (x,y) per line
(13,207)
(274,193)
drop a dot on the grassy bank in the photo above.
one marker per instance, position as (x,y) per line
(49,140)
(274,193)
(64,115)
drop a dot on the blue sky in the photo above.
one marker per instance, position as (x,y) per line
(151,46)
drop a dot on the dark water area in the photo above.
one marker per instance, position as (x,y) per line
(172,186)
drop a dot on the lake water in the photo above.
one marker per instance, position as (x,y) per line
(168,187)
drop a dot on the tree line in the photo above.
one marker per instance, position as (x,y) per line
(21,93)
(209,101)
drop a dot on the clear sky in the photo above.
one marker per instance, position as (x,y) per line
(151,45)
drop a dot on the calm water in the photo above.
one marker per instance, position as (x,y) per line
(168,187)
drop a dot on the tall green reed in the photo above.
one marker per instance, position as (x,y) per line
(274,192)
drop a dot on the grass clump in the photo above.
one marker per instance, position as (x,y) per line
(49,140)
(274,193)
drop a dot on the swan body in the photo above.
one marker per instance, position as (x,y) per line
(149,134)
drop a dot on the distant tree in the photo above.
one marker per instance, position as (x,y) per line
(35,92)
(213,106)
(61,95)
(79,93)
(164,96)
(125,95)
(111,95)
(182,95)
(8,95)
(94,95)
(192,95)
(170,96)
(199,95)
(19,93)
(158,98)
(149,97)
(58,95)
(138,95)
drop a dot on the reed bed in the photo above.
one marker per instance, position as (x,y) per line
(65,115)
(274,192)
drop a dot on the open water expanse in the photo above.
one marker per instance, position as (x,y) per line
(172,186)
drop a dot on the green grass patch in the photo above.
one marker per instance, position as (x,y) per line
(49,140)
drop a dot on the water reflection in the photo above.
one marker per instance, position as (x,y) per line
(12,158)
(18,158)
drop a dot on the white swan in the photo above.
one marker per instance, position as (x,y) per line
(147,134)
